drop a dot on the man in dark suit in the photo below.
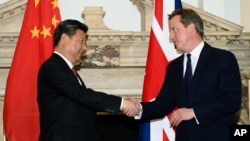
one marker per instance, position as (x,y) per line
(67,107)
(206,109)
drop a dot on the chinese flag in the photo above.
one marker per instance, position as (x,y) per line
(34,46)
(160,52)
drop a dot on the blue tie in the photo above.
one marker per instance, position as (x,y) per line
(188,74)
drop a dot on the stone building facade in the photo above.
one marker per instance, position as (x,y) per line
(116,60)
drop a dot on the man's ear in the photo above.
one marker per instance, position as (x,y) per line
(191,28)
(64,37)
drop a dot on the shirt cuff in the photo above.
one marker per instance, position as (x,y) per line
(138,116)
(196,119)
(121,104)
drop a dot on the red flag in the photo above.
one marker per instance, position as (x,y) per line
(160,53)
(35,45)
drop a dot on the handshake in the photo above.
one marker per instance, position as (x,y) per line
(131,107)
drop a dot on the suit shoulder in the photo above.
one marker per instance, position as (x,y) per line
(176,60)
(222,52)
(176,63)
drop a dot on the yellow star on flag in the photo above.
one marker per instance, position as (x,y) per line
(45,32)
(35,32)
(55,21)
(55,4)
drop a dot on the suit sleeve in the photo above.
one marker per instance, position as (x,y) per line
(63,81)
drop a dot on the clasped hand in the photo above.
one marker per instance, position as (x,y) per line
(130,107)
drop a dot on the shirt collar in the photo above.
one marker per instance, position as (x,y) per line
(65,59)
(197,50)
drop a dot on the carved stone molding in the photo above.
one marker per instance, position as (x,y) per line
(8,42)
(12,7)
(8,38)
(242,40)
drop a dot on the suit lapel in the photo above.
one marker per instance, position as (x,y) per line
(200,68)
(66,66)
(80,80)
(178,78)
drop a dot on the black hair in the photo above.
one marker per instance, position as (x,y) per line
(68,27)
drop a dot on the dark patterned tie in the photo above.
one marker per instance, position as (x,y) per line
(74,71)
(188,74)
(77,76)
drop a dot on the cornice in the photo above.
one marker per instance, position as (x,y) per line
(117,36)
(94,36)
(217,30)
(12,7)
(210,19)
(8,38)
(243,39)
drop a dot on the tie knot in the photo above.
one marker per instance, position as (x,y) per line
(188,56)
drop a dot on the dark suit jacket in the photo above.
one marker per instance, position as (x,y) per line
(215,96)
(67,109)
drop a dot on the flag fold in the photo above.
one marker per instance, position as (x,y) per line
(35,45)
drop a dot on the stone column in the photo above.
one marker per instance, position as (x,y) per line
(145,7)
(93,17)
